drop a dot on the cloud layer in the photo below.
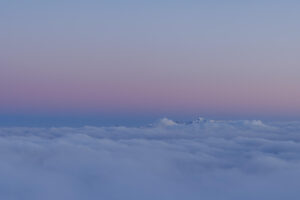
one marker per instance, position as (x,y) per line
(203,159)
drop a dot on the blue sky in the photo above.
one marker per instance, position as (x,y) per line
(145,59)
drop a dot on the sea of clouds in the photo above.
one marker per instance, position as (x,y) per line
(198,160)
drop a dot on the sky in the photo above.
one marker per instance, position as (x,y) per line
(137,60)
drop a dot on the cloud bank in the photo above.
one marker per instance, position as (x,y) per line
(202,159)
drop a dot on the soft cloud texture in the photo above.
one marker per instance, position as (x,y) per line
(203,159)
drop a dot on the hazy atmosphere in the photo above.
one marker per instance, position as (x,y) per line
(106,99)
(150,59)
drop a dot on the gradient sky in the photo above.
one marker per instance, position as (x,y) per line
(150,58)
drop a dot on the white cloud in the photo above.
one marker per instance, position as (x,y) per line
(166,122)
(204,159)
